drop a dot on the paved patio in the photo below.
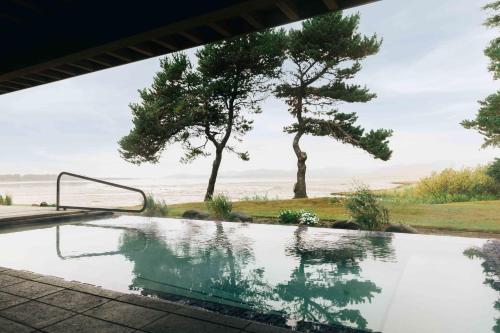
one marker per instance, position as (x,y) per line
(19,215)
(31,302)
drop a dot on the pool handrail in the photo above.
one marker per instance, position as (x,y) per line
(119,210)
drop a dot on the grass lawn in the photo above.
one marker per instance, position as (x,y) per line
(481,216)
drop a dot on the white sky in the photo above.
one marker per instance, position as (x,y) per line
(429,75)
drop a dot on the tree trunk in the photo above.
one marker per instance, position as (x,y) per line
(213,176)
(300,186)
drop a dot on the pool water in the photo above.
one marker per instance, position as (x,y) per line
(310,279)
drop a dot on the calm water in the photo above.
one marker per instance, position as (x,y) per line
(300,277)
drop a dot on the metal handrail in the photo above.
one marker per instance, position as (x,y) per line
(58,206)
(94,254)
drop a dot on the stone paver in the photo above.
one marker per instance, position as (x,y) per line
(7,280)
(175,323)
(213,317)
(31,289)
(263,328)
(8,300)
(90,289)
(30,301)
(125,314)
(8,326)
(55,281)
(73,300)
(22,274)
(84,324)
(35,314)
(151,303)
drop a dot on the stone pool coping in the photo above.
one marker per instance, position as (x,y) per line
(31,302)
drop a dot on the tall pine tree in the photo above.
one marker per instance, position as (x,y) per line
(207,106)
(322,57)
(487,121)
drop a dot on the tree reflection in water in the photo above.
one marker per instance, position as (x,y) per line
(221,268)
(327,279)
(490,253)
(212,269)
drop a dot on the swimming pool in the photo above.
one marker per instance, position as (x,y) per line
(307,278)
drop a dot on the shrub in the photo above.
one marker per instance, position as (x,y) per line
(308,218)
(457,185)
(1,200)
(468,184)
(155,207)
(256,197)
(289,216)
(7,201)
(297,217)
(220,206)
(494,170)
(366,209)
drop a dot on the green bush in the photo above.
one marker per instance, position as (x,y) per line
(156,208)
(289,216)
(305,217)
(366,209)
(220,206)
(468,184)
(6,201)
(494,170)
(308,218)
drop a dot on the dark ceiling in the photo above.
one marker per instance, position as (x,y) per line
(49,40)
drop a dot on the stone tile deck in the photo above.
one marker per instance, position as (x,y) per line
(19,215)
(31,302)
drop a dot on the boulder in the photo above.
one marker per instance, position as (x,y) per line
(403,228)
(240,217)
(195,214)
(350,225)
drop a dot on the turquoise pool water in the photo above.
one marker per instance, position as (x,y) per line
(308,278)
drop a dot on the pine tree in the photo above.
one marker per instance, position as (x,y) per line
(487,121)
(322,57)
(206,105)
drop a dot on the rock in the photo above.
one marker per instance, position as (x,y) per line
(350,225)
(403,228)
(44,204)
(240,217)
(195,214)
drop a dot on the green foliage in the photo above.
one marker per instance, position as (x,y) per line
(256,197)
(220,206)
(494,170)
(366,209)
(468,184)
(289,216)
(487,121)
(308,218)
(325,55)
(207,105)
(6,201)
(493,21)
(155,208)
(302,216)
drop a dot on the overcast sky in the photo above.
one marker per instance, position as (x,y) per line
(428,76)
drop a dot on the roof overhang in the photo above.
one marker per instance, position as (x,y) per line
(51,40)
